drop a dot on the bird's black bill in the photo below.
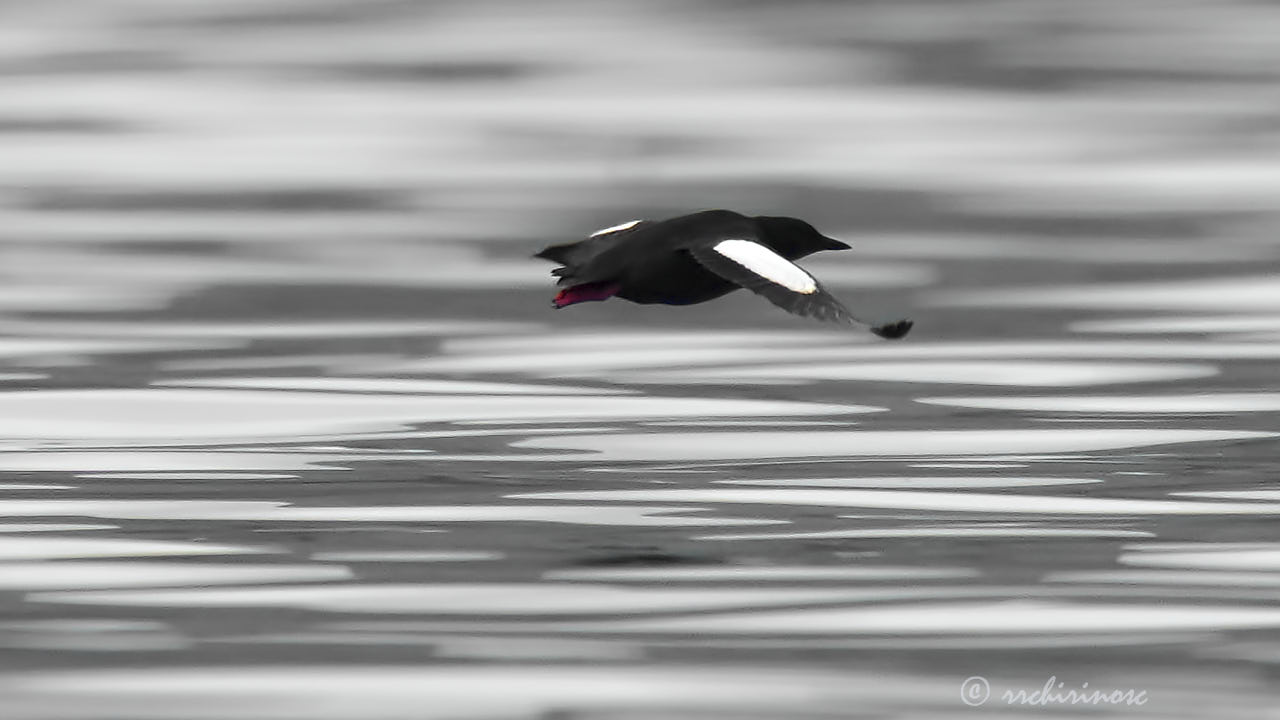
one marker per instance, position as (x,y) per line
(894,330)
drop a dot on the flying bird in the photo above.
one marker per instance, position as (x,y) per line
(699,257)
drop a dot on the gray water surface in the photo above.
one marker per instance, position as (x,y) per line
(289,430)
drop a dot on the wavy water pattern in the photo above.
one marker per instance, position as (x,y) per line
(289,429)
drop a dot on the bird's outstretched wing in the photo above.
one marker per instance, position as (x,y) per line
(782,282)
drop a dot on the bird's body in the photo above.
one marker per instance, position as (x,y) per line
(699,257)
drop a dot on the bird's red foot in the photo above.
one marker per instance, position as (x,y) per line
(587,292)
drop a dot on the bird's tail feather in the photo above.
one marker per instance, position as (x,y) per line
(555,253)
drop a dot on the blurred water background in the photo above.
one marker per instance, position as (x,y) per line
(288,429)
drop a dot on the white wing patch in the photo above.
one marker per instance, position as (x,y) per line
(616,228)
(767,264)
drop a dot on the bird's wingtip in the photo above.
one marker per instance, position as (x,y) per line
(894,330)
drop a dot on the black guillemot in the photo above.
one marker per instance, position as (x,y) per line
(699,257)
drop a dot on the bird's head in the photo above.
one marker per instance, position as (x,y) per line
(793,238)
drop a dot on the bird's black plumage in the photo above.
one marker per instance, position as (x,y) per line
(699,257)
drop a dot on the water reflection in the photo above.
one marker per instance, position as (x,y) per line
(871,443)
(545,598)
(14,547)
(195,416)
(1228,403)
(1252,292)
(993,531)
(83,575)
(289,431)
(771,573)
(408,691)
(946,501)
(1177,325)
(90,462)
(915,482)
(392,385)
(248,510)
(1015,374)
(960,618)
